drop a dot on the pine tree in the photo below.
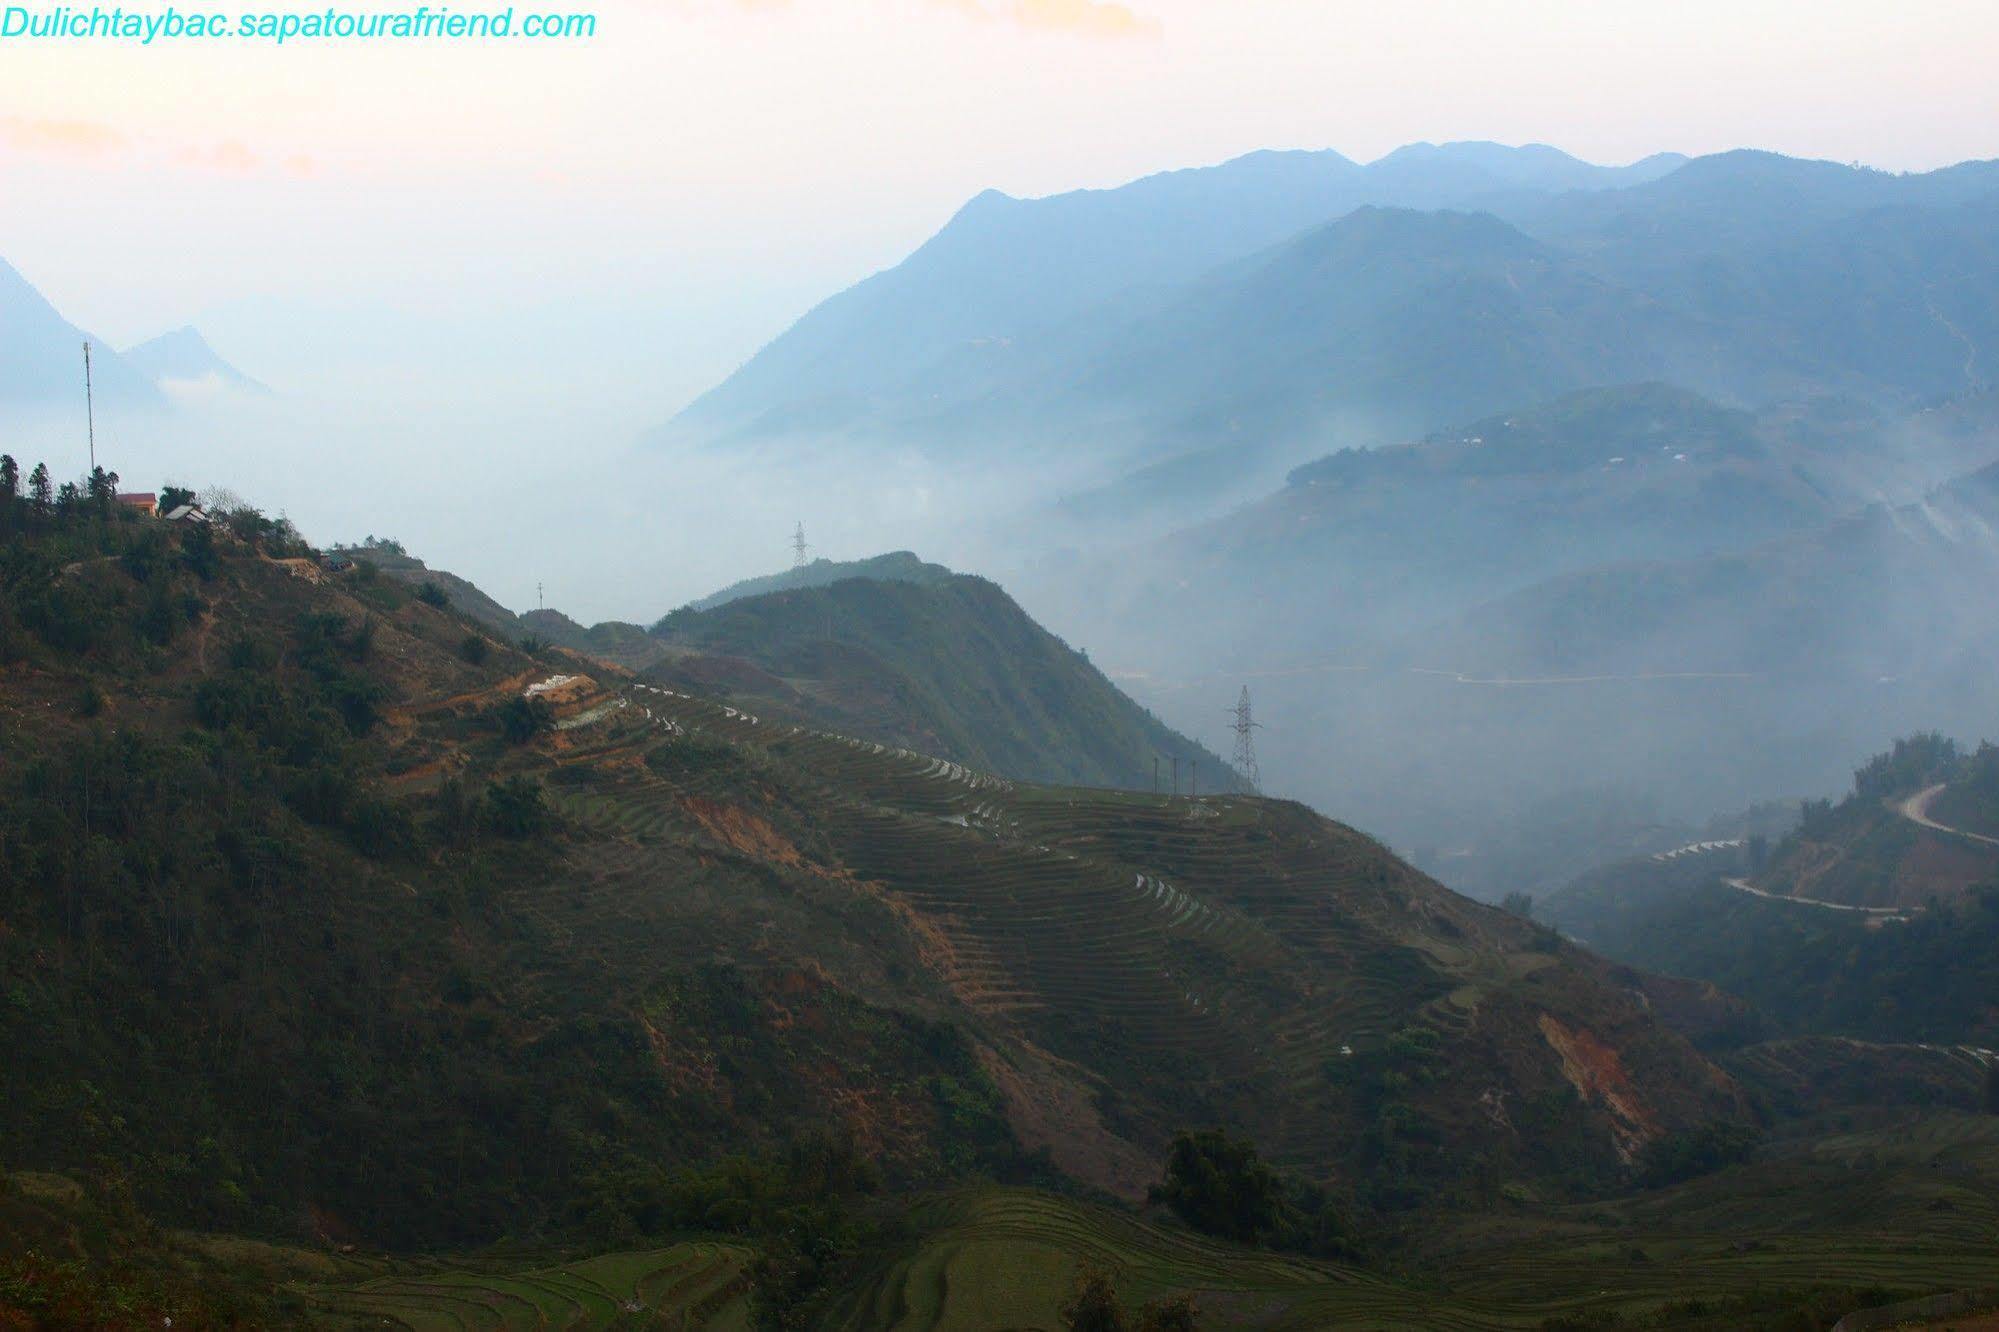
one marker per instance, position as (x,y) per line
(102,487)
(40,490)
(10,477)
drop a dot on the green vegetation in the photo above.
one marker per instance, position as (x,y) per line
(1812,970)
(299,943)
(1683,1156)
(899,566)
(942,663)
(1930,978)
(1094,1307)
(1217,1185)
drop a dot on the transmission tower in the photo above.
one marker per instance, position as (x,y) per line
(89,407)
(1245,743)
(798,547)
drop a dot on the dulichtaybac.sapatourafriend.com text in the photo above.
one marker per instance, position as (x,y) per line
(79,23)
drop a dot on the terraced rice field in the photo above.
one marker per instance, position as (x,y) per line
(1161,924)
(696,1285)
(1006,1258)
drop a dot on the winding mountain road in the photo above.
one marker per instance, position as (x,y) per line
(1916,809)
(1882,913)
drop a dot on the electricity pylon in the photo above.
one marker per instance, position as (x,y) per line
(1245,744)
(89,407)
(798,547)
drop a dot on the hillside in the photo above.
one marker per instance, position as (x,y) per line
(460,594)
(1365,542)
(951,666)
(1862,921)
(646,923)
(332,920)
(890,648)
(1711,603)
(900,566)
(1882,593)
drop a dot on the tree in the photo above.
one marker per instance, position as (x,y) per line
(102,487)
(1093,1306)
(1518,904)
(172,497)
(430,594)
(1219,1186)
(522,719)
(40,492)
(10,477)
(221,499)
(516,807)
(1178,1313)
(197,551)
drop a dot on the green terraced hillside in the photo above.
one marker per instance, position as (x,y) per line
(916,656)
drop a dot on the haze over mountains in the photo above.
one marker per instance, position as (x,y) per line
(1687,362)
(41,359)
(826,952)
(1382,440)
(41,355)
(183,362)
(1282,302)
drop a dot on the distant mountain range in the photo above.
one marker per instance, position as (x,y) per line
(41,359)
(1642,606)
(1283,300)
(41,356)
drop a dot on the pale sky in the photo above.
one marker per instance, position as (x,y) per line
(634,213)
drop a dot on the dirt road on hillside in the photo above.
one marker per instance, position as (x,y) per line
(1884,913)
(1916,809)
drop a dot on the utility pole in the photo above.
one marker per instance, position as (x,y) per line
(1194,777)
(89,407)
(1176,774)
(798,547)
(1245,744)
(539,603)
(1155,774)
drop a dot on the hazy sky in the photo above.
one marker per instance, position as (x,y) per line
(630,215)
(475,271)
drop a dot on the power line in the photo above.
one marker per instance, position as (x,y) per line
(1245,728)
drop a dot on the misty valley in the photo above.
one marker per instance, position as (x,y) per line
(1292,744)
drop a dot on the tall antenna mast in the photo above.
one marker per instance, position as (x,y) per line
(1245,744)
(89,407)
(798,547)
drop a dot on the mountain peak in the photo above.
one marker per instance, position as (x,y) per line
(182,361)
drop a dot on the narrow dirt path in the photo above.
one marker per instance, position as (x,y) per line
(1916,809)
(1884,913)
